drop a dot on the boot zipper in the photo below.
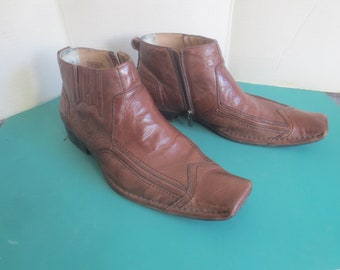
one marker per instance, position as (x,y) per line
(184,89)
(190,110)
(190,116)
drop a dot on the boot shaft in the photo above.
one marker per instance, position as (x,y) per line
(93,81)
(94,77)
(172,65)
(159,70)
(202,79)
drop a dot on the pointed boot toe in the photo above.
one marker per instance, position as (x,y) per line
(302,127)
(108,112)
(211,196)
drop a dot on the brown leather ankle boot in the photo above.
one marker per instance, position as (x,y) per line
(185,74)
(108,113)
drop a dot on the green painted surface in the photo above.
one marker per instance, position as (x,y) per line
(57,211)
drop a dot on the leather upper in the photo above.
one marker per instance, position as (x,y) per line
(205,87)
(142,156)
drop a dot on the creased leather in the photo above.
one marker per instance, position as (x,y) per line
(201,83)
(108,112)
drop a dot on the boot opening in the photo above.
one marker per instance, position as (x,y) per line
(175,41)
(91,58)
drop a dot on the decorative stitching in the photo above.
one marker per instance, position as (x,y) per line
(191,192)
(143,180)
(149,79)
(271,140)
(150,168)
(248,125)
(166,207)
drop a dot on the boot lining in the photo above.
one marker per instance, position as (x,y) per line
(175,41)
(90,58)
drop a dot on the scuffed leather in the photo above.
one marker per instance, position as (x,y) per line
(200,82)
(108,112)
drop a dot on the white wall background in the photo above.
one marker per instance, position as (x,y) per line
(291,43)
(111,24)
(30,33)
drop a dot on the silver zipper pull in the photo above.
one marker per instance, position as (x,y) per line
(189,116)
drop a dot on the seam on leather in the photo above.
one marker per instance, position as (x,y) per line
(152,171)
(166,207)
(143,179)
(146,75)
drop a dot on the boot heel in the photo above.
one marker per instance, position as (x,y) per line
(77,142)
(169,115)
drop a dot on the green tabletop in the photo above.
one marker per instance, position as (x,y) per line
(58,212)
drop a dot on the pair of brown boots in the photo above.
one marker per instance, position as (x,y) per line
(114,112)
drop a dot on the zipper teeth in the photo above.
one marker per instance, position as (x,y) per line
(186,87)
(182,82)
